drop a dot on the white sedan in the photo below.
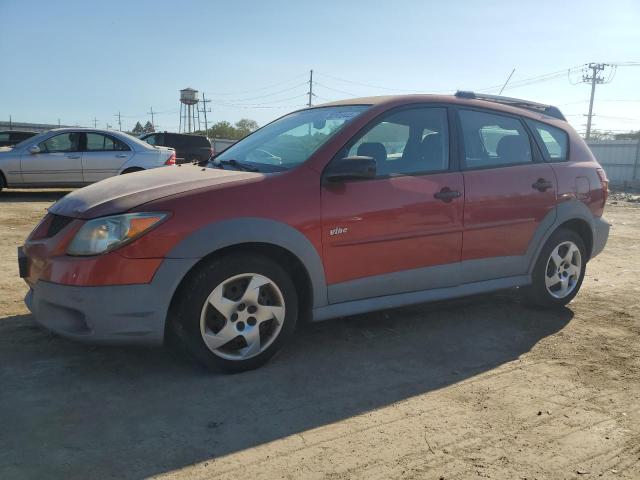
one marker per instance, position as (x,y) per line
(74,157)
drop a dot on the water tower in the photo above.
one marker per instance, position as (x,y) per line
(189,112)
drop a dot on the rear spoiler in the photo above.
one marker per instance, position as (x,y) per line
(515,102)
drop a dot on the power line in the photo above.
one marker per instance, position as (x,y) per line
(260,88)
(272,103)
(337,90)
(268,94)
(366,84)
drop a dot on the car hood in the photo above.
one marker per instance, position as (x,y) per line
(119,194)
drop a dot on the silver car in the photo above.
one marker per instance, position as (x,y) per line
(73,157)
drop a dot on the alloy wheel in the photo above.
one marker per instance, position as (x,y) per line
(563,269)
(242,316)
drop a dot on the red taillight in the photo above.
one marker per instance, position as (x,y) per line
(171,160)
(604,183)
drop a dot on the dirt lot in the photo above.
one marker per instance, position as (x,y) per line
(482,387)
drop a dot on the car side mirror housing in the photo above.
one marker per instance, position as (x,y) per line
(355,167)
(34,149)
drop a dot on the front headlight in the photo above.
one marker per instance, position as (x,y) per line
(104,234)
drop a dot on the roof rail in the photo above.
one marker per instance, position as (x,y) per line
(514,102)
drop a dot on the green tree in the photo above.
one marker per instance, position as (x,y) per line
(148,128)
(245,126)
(222,129)
(137,130)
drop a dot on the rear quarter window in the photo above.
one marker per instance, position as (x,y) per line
(553,141)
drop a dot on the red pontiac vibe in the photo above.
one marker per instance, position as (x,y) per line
(329,211)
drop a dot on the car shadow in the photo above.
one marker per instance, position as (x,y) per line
(77,411)
(32,195)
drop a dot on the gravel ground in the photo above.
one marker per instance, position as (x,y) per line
(474,388)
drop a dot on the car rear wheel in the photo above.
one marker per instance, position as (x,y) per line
(236,312)
(559,270)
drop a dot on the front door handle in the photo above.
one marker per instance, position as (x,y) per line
(74,157)
(542,185)
(446,194)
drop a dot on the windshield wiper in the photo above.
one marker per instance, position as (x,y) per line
(234,163)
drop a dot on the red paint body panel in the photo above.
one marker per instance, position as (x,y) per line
(392,224)
(502,210)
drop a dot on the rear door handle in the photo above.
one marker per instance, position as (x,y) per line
(446,194)
(73,156)
(121,155)
(542,185)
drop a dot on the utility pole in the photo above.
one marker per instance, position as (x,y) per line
(205,110)
(95,122)
(153,124)
(310,87)
(119,121)
(58,123)
(594,78)
(10,123)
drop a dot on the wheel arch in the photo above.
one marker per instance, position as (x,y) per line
(572,214)
(273,239)
(131,170)
(583,229)
(284,258)
(3,180)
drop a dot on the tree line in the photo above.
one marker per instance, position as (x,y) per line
(222,129)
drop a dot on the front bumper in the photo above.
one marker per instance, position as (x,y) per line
(600,235)
(119,314)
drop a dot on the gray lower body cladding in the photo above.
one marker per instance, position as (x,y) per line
(137,314)
(119,314)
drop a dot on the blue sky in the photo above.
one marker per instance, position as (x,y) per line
(76,60)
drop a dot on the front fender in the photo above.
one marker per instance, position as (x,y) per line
(237,231)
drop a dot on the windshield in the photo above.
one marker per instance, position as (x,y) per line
(291,140)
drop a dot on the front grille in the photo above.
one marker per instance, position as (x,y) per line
(57,223)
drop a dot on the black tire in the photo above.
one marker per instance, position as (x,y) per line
(2,184)
(537,293)
(191,298)
(132,170)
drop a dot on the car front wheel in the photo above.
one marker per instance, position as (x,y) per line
(559,270)
(237,311)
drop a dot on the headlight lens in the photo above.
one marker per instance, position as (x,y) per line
(104,234)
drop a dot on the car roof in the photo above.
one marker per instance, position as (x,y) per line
(502,104)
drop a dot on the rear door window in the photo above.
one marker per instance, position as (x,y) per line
(554,141)
(104,143)
(493,140)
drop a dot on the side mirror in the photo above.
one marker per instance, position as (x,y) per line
(34,149)
(351,168)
